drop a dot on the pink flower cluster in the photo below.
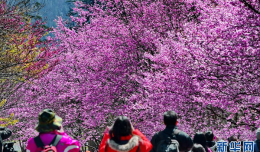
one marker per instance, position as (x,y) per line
(142,58)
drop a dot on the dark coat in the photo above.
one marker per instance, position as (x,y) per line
(4,134)
(183,138)
(257,145)
(212,145)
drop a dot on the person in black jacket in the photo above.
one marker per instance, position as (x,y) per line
(170,120)
(4,134)
(257,141)
(199,138)
(210,141)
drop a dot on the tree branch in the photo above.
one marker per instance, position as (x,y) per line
(250,6)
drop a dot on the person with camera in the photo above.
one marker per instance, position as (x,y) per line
(4,134)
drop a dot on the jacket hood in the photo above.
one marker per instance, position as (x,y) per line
(133,142)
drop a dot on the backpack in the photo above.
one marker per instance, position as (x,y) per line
(48,148)
(168,143)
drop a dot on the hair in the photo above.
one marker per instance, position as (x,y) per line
(198,148)
(232,138)
(199,138)
(209,136)
(170,118)
(121,127)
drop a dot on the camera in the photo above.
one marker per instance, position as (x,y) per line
(9,147)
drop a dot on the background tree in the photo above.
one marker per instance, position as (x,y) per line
(141,58)
(23,52)
(223,57)
(103,76)
(72,13)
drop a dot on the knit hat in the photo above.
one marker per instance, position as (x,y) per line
(258,133)
(48,121)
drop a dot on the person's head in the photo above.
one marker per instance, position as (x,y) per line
(121,127)
(199,138)
(258,134)
(197,148)
(209,136)
(170,118)
(232,138)
(48,121)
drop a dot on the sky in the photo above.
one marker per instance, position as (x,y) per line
(52,9)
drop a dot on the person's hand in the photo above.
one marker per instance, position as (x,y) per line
(132,127)
(107,129)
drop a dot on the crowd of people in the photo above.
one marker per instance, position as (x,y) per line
(122,137)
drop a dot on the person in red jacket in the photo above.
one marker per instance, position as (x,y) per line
(122,137)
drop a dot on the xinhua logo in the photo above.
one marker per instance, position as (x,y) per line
(222,146)
(235,146)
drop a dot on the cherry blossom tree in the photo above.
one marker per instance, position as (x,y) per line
(142,58)
(23,52)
